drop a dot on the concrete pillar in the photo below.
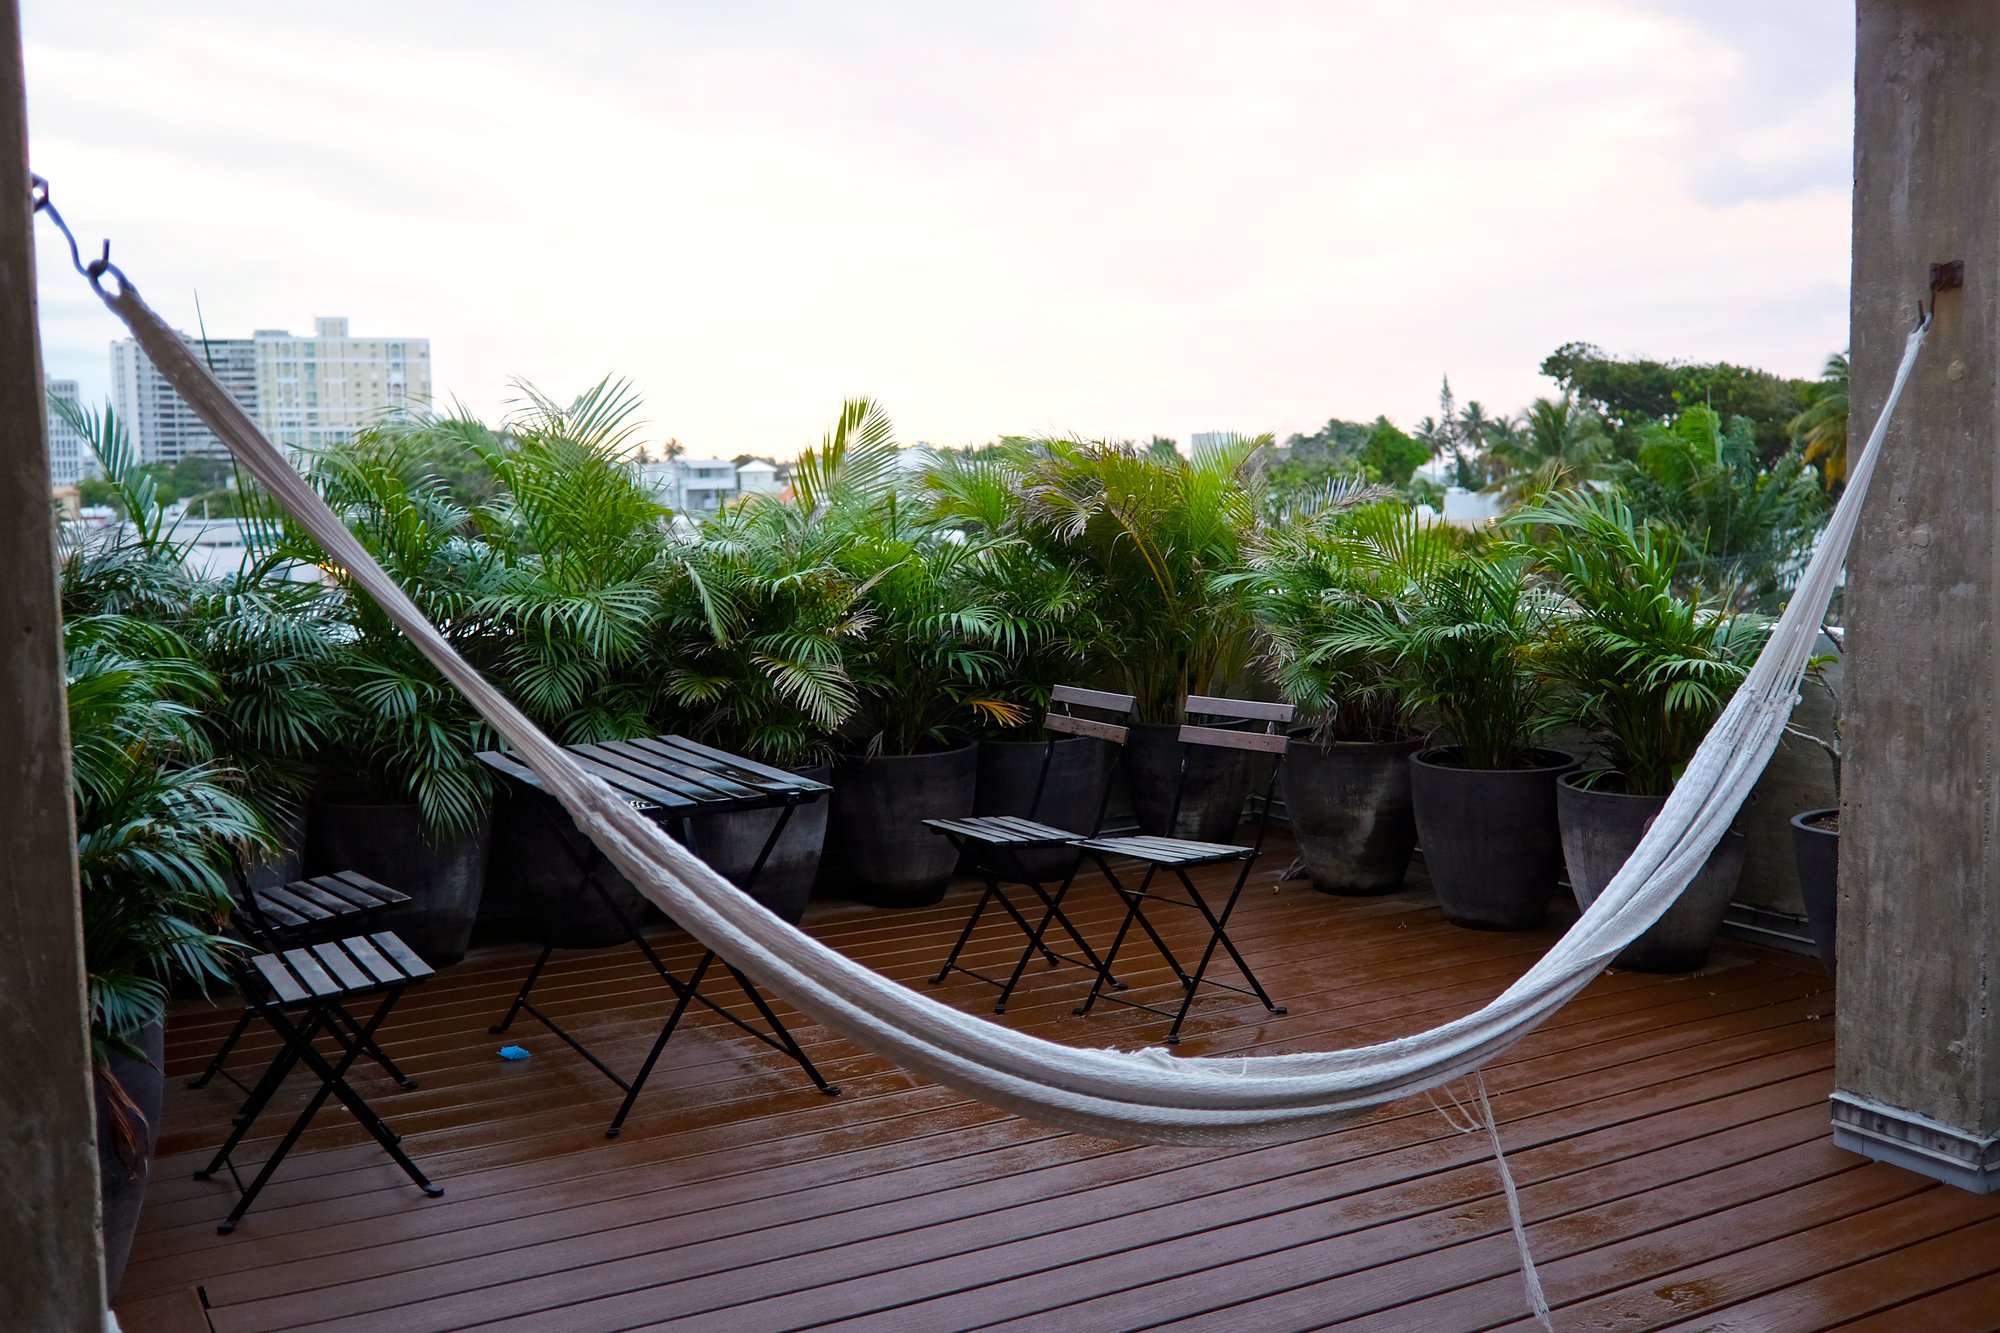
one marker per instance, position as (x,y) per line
(51,1250)
(1918,1055)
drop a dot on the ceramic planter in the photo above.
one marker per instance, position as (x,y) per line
(1818,854)
(1008,772)
(1600,829)
(538,875)
(1490,837)
(877,848)
(1218,783)
(730,843)
(1352,812)
(122,1178)
(387,844)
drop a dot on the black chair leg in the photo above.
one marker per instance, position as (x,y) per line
(521,996)
(971,924)
(222,1052)
(684,996)
(298,1040)
(786,1042)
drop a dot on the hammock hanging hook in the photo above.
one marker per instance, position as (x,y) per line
(94,271)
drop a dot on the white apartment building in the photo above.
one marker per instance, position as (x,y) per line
(305,392)
(70,459)
(699,486)
(757,477)
(317,391)
(161,427)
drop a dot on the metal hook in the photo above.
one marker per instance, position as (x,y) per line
(94,271)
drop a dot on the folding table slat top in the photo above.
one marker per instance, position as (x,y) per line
(670,779)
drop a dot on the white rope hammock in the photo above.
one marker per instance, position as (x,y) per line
(1142,1096)
(1147,1096)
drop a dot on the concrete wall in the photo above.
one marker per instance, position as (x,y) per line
(1918,1066)
(51,1258)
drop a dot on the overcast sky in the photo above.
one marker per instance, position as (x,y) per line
(1107,219)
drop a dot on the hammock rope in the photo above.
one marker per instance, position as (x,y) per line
(1133,1096)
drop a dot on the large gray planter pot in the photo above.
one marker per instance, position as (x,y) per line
(122,1173)
(1218,782)
(1071,794)
(877,848)
(1490,837)
(386,843)
(1352,813)
(536,846)
(1600,829)
(730,844)
(1818,854)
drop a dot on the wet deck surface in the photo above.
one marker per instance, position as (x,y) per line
(1669,1135)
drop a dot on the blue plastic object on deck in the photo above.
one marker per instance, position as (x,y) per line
(513,1052)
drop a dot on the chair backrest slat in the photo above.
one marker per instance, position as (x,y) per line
(1085,726)
(1265,741)
(1210,706)
(1076,694)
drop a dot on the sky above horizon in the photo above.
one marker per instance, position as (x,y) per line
(1091,218)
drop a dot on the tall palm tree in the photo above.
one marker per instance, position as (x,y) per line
(1822,428)
(1562,445)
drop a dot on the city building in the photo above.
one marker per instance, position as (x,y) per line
(162,428)
(70,459)
(704,485)
(312,392)
(757,477)
(305,392)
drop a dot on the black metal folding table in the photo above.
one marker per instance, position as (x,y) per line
(670,779)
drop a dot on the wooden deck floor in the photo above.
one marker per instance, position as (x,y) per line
(1669,1136)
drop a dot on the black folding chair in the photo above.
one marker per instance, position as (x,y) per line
(307,911)
(303,993)
(995,845)
(1179,854)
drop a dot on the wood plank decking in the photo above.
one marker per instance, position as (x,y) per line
(1669,1136)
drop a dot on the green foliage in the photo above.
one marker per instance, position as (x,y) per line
(1634,393)
(1644,668)
(263,639)
(1050,627)
(1462,642)
(157,821)
(1318,579)
(1734,523)
(1392,455)
(759,616)
(403,733)
(574,595)
(1559,445)
(1820,430)
(1149,534)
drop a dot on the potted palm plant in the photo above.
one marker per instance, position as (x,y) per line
(921,665)
(1152,530)
(757,622)
(573,595)
(1048,634)
(157,822)
(1645,669)
(1321,570)
(1485,801)
(401,797)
